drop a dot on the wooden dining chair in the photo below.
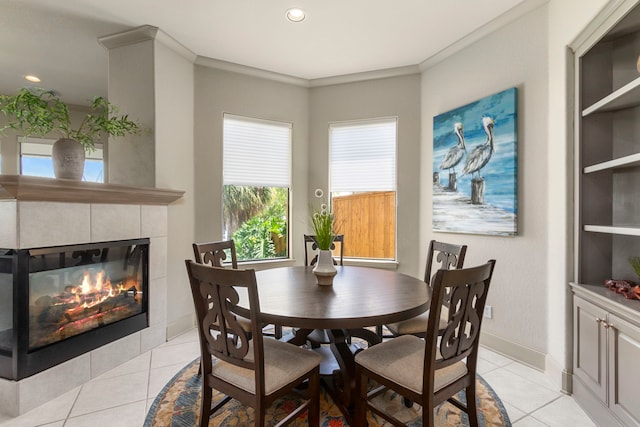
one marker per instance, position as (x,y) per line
(431,371)
(311,249)
(443,256)
(214,254)
(243,366)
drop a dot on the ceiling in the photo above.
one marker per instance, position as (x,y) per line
(57,40)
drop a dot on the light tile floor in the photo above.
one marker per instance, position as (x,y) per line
(122,396)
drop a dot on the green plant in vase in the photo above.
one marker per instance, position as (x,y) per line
(635,263)
(323,222)
(37,111)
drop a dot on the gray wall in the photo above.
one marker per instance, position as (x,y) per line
(398,97)
(132,67)
(310,111)
(532,310)
(494,63)
(218,92)
(174,156)
(151,76)
(566,19)
(529,295)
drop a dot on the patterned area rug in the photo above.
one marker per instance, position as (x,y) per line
(177,405)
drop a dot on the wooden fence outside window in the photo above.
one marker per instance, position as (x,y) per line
(368,222)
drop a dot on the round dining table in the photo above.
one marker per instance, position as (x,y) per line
(360,297)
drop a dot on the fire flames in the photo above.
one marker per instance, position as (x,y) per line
(93,292)
(92,301)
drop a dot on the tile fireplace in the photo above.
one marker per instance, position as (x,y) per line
(42,213)
(59,302)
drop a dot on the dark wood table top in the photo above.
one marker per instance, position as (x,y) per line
(359,297)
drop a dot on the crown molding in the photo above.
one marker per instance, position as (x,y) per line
(366,75)
(250,71)
(608,16)
(297,81)
(132,36)
(146,33)
(177,47)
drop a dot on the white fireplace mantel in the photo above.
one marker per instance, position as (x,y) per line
(34,188)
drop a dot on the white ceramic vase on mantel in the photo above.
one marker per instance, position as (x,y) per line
(68,158)
(324,269)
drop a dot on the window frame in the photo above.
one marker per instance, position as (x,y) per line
(364,122)
(96,155)
(250,182)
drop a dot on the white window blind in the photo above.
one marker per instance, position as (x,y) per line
(256,152)
(363,155)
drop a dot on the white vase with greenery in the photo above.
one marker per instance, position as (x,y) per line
(323,221)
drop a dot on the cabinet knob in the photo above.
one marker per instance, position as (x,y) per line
(606,325)
(599,320)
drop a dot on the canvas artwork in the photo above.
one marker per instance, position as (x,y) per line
(475,167)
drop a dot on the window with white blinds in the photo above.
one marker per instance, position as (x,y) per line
(362,173)
(256,177)
(363,155)
(256,152)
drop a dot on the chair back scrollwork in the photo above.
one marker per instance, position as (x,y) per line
(467,293)
(311,249)
(443,256)
(216,299)
(215,253)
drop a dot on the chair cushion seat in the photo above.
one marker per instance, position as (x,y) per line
(401,360)
(415,325)
(282,364)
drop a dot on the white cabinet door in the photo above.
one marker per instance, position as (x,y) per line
(590,344)
(624,370)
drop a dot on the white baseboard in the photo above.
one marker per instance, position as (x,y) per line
(522,354)
(556,373)
(180,326)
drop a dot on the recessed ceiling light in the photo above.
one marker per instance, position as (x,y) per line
(31,78)
(295,15)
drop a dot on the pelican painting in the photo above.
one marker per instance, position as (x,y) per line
(455,154)
(482,197)
(481,155)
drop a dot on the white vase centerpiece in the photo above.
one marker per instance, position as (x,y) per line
(322,221)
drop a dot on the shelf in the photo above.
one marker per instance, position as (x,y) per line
(622,162)
(608,229)
(34,188)
(625,97)
(601,295)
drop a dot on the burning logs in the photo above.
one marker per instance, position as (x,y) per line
(85,309)
(77,309)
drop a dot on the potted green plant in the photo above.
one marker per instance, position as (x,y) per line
(323,221)
(635,264)
(37,111)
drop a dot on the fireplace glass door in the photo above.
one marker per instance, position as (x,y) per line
(59,302)
(6,301)
(85,289)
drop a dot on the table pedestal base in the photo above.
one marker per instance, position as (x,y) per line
(339,374)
